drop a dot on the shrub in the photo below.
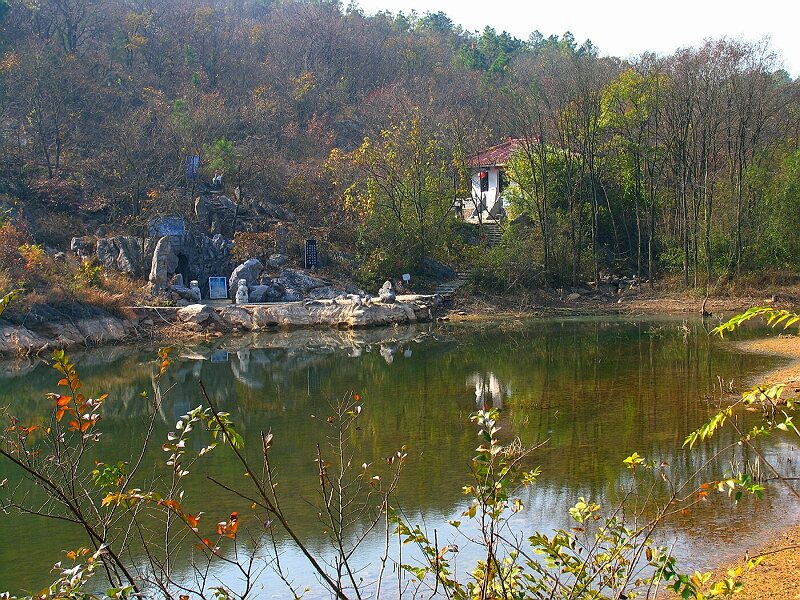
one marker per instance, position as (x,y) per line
(11,238)
(252,245)
(89,273)
(513,265)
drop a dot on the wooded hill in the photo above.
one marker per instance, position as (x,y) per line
(687,163)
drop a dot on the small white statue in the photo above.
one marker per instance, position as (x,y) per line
(242,296)
(194,288)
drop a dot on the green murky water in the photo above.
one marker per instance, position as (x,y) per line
(590,391)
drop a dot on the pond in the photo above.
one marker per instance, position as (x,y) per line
(590,391)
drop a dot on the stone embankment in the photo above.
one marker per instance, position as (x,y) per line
(42,332)
(45,328)
(347,313)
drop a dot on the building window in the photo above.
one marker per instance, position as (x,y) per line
(484,177)
(501,181)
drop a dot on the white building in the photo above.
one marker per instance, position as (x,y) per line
(487,170)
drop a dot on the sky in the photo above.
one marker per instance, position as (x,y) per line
(626,28)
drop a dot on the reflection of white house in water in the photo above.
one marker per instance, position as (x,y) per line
(489,181)
(489,390)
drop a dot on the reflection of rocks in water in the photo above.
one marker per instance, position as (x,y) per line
(489,390)
(387,352)
(18,367)
(351,341)
(275,356)
(196,353)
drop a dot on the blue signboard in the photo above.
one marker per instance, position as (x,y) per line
(217,288)
(167,226)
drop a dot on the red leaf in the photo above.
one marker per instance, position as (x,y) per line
(173,504)
(27,430)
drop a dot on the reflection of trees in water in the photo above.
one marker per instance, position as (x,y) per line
(596,391)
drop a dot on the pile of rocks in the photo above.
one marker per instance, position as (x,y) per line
(609,288)
(276,282)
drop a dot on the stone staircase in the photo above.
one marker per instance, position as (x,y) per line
(493,233)
(448,289)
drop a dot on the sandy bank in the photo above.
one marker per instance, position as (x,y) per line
(778,576)
(785,345)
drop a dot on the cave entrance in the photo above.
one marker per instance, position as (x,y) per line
(183,268)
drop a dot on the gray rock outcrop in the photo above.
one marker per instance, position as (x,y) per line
(192,254)
(249,270)
(216,214)
(121,253)
(299,281)
(276,261)
(331,313)
(83,246)
(262,293)
(45,327)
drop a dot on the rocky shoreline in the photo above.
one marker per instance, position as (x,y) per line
(46,329)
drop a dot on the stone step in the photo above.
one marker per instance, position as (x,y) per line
(493,234)
(447,289)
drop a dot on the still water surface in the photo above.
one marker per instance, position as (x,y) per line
(590,391)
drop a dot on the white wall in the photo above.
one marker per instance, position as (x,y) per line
(491,195)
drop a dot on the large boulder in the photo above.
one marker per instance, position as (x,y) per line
(291,295)
(121,253)
(195,313)
(181,292)
(276,261)
(163,259)
(299,281)
(258,293)
(83,246)
(249,270)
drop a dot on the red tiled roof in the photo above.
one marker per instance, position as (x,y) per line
(496,156)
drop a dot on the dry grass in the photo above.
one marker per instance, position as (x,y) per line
(62,282)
